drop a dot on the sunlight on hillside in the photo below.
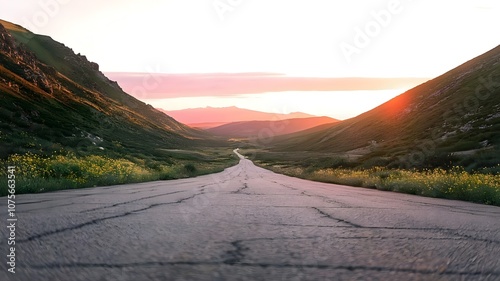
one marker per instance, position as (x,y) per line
(12,27)
(397,106)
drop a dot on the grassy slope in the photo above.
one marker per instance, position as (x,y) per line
(77,69)
(82,106)
(436,119)
(63,124)
(480,187)
(35,173)
(445,122)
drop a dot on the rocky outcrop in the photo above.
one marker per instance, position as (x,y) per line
(28,66)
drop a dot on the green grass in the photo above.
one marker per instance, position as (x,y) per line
(481,186)
(455,184)
(65,170)
(73,101)
(74,128)
(452,113)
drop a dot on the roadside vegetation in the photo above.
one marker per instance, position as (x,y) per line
(480,186)
(63,124)
(66,170)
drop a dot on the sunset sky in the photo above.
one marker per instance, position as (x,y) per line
(260,53)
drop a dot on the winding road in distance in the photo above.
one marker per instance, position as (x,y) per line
(248,223)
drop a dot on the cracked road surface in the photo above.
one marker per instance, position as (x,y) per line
(248,223)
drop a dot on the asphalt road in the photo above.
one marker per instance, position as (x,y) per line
(247,223)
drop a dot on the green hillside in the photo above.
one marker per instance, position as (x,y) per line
(53,98)
(64,124)
(453,119)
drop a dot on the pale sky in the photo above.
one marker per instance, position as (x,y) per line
(306,38)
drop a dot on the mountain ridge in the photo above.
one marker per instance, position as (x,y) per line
(192,116)
(53,98)
(425,126)
(250,129)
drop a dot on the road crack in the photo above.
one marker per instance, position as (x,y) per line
(99,220)
(440,272)
(336,219)
(131,201)
(240,190)
(237,254)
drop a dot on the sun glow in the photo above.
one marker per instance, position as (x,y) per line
(338,104)
(295,38)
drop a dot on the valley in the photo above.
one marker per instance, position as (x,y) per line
(159,140)
(64,124)
(63,116)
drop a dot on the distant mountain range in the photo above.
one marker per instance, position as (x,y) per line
(249,129)
(52,98)
(210,117)
(453,119)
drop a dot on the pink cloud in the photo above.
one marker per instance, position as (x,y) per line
(160,86)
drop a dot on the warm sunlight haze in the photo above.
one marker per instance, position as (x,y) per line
(321,38)
(151,140)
